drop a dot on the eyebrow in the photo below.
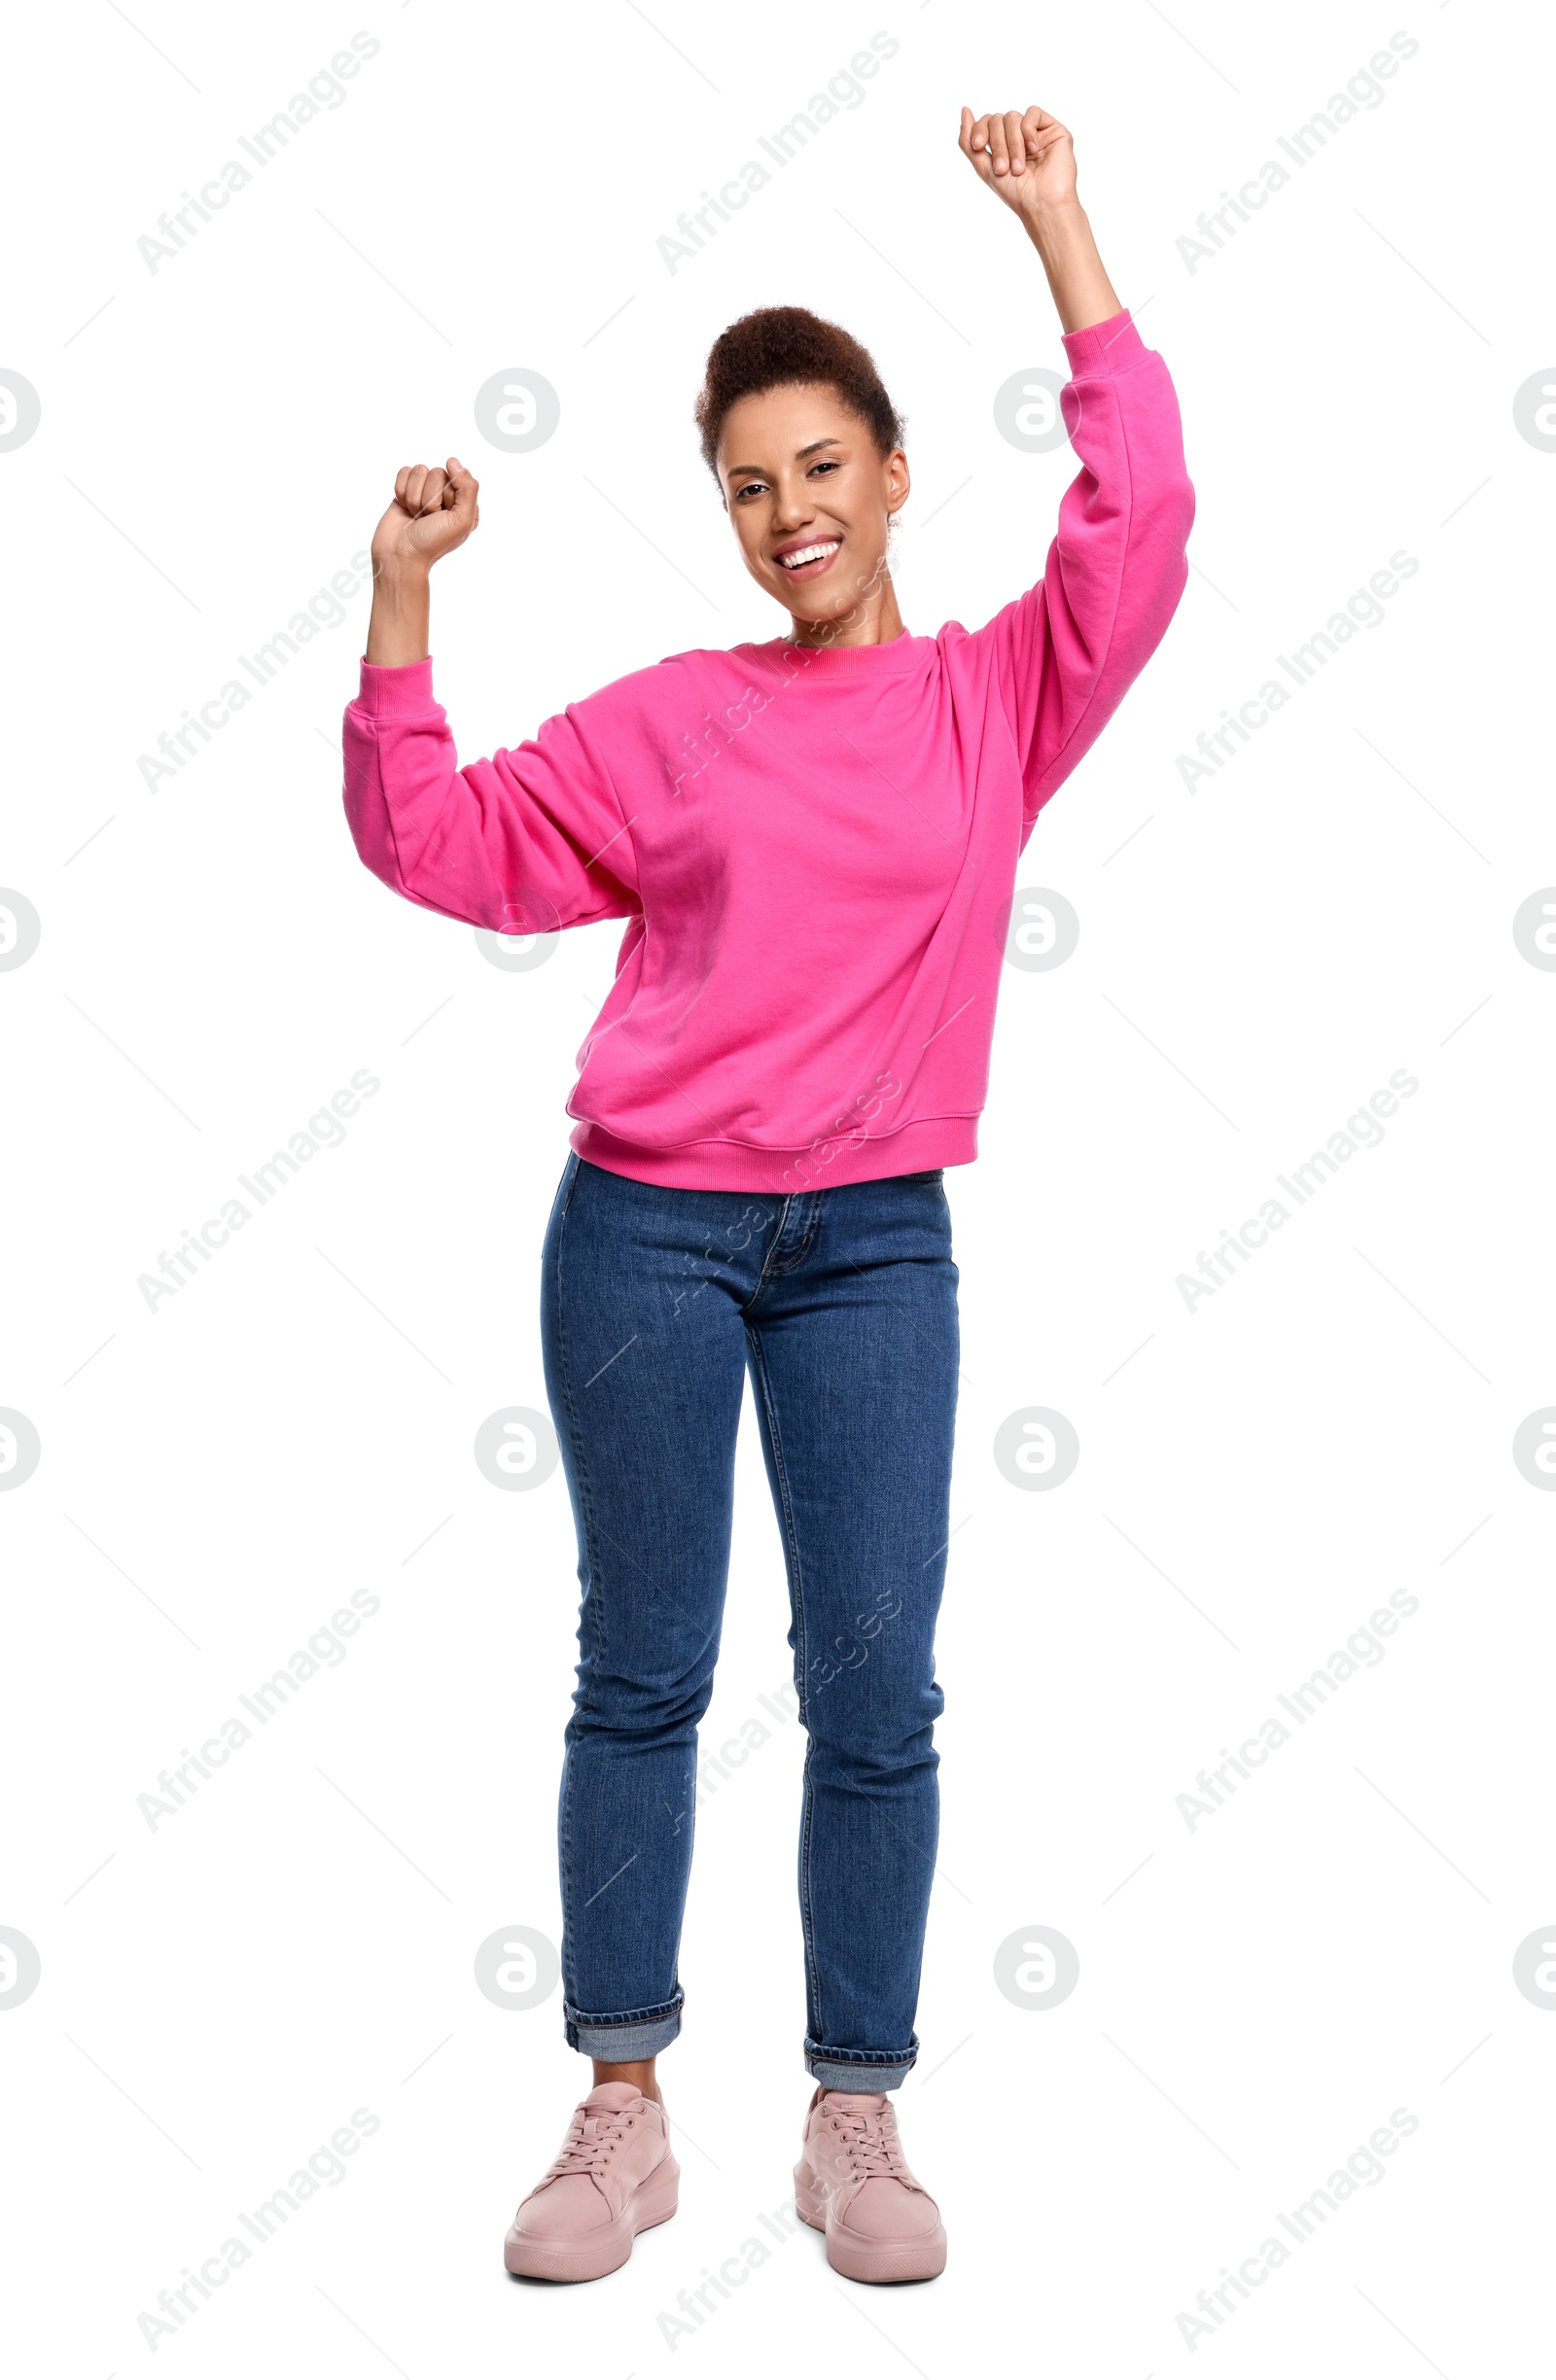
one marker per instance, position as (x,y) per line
(737,471)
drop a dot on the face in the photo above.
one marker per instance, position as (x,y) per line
(802,477)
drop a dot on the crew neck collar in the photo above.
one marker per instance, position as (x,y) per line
(896,653)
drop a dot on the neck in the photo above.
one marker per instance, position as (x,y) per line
(874,619)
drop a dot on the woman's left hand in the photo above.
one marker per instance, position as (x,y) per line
(1029,159)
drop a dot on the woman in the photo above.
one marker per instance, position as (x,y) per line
(814,843)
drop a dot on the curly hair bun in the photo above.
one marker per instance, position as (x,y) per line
(777,346)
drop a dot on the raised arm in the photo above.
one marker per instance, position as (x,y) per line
(1029,160)
(528,841)
(431,512)
(1063,654)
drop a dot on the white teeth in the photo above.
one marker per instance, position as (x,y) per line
(809,553)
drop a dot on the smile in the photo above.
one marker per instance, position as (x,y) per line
(808,561)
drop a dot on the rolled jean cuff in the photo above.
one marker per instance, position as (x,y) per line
(863,2070)
(620,2041)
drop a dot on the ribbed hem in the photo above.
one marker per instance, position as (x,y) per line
(840,2072)
(730,1165)
(403,692)
(619,2041)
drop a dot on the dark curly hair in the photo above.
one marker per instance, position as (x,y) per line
(779,345)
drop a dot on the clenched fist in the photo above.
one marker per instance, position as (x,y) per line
(433,511)
(1028,158)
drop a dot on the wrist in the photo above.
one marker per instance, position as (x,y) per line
(1054,222)
(400,580)
(397,624)
(1067,203)
(1060,231)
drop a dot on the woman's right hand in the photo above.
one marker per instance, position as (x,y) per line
(433,511)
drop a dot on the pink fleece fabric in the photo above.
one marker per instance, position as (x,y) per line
(815,852)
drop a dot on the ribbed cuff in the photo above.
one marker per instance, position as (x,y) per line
(396,693)
(1104,349)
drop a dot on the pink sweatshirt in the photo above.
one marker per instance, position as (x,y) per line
(815,852)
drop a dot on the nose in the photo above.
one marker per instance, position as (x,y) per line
(792,506)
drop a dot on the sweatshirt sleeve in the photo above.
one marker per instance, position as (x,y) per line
(528,841)
(1064,654)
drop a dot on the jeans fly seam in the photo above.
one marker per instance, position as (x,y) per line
(766,1261)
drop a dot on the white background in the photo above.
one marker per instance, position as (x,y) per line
(217,439)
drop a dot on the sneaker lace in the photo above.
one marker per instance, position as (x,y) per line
(593,2139)
(868,2143)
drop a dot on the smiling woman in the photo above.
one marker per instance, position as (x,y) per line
(826,473)
(795,1047)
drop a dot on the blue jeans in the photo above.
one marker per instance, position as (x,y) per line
(842,1303)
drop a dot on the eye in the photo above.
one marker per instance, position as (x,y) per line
(752,487)
(827,463)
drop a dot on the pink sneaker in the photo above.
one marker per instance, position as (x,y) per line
(614,2178)
(853,2182)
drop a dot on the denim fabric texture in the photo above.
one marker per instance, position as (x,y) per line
(842,1305)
